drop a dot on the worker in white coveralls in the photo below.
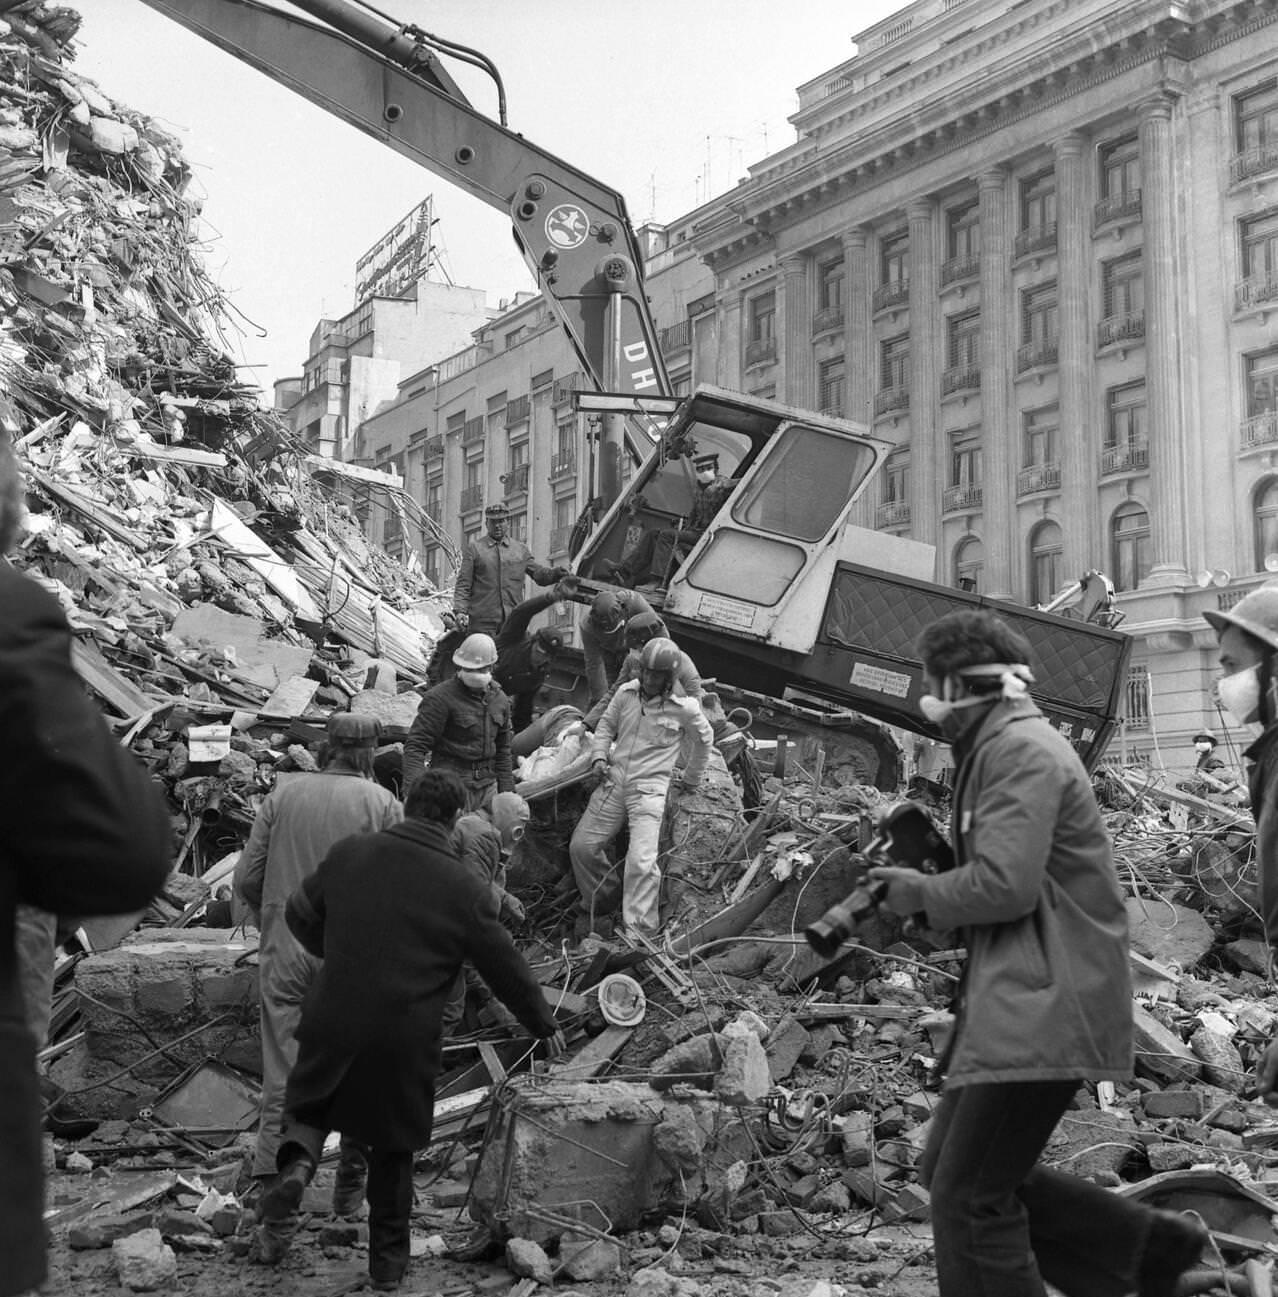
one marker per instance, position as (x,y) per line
(301,818)
(635,748)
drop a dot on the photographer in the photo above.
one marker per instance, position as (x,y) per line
(1045,999)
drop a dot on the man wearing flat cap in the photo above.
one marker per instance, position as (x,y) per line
(491,581)
(524,660)
(301,818)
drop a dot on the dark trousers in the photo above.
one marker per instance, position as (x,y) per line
(389,1192)
(1001,1224)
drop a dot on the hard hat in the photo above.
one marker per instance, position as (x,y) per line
(347,727)
(1204,737)
(605,609)
(1256,613)
(660,654)
(642,627)
(475,653)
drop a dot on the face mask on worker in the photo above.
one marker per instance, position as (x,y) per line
(1202,747)
(952,716)
(1240,695)
(705,476)
(476,680)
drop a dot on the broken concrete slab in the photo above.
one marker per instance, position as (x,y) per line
(528,1260)
(1167,932)
(144,1262)
(265,661)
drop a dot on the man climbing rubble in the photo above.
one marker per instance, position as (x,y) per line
(300,819)
(603,637)
(641,629)
(635,747)
(464,726)
(524,660)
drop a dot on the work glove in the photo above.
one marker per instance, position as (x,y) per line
(560,572)
(512,908)
(598,772)
(462,619)
(566,586)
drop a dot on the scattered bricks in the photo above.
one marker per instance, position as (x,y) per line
(104,1230)
(1186,1104)
(835,1198)
(912,1202)
(1221,1060)
(1249,956)
(1171,1157)
(801,1192)
(528,1260)
(225,1221)
(591,1260)
(144,1262)
(744,1077)
(1232,1117)
(778,1224)
(655,1282)
(231,990)
(919,1106)
(449,1193)
(891,1122)
(821,1039)
(78,1164)
(1092,1142)
(858,1139)
(691,1062)
(1225,1139)
(198,1243)
(786,1041)
(171,1222)
(1161,1053)
(339,1233)
(863,1186)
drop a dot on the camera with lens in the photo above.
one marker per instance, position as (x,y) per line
(904,835)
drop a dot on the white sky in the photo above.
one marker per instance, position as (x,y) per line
(668,101)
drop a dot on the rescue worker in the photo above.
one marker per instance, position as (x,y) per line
(83,830)
(524,660)
(1208,762)
(660,551)
(464,725)
(603,636)
(1247,635)
(634,750)
(641,629)
(491,581)
(302,816)
(1045,999)
(392,916)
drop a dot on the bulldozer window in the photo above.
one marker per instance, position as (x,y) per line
(805,484)
(672,488)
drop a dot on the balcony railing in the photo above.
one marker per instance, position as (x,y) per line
(1260,430)
(966,496)
(1136,701)
(559,538)
(1116,207)
(1128,327)
(894,513)
(958,269)
(960,378)
(894,293)
(434,448)
(1039,477)
(760,351)
(1258,290)
(1037,355)
(1125,456)
(472,498)
(517,410)
(1254,161)
(1035,238)
(828,320)
(678,337)
(564,388)
(517,479)
(473,431)
(563,464)
(891,398)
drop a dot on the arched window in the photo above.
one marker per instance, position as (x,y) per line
(969,563)
(1128,546)
(1265,515)
(1045,562)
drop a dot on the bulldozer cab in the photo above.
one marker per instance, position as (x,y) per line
(787,479)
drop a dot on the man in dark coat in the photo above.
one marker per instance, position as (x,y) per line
(393,915)
(83,831)
(524,660)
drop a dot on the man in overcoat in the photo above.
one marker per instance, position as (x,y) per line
(393,916)
(1045,999)
(83,831)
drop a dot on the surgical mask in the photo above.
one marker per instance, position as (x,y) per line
(706,478)
(476,680)
(1240,695)
(1202,747)
(946,714)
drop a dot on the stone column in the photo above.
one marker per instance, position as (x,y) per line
(797,386)
(1000,443)
(728,302)
(1169,541)
(1078,445)
(858,360)
(924,398)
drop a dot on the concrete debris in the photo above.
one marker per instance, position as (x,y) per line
(528,1260)
(144,1261)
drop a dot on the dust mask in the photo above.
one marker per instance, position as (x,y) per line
(476,680)
(1240,695)
(706,477)
(947,713)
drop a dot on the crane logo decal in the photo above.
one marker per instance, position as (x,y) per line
(567,226)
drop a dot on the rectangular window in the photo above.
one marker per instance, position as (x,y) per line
(473,475)
(519,527)
(965,459)
(830,385)
(513,337)
(517,454)
(894,258)
(1120,168)
(1039,429)
(830,285)
(964,340)
(544,379)
(762,317)
(963,232)
(1262,383)
(455,421)
(1256,117)
(565,512)
(1123,286)
(435,497)
(1125,415)
(894,362)
(566,437)
(1038,315)
(1259,237)
(896,479)
(1038,201)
